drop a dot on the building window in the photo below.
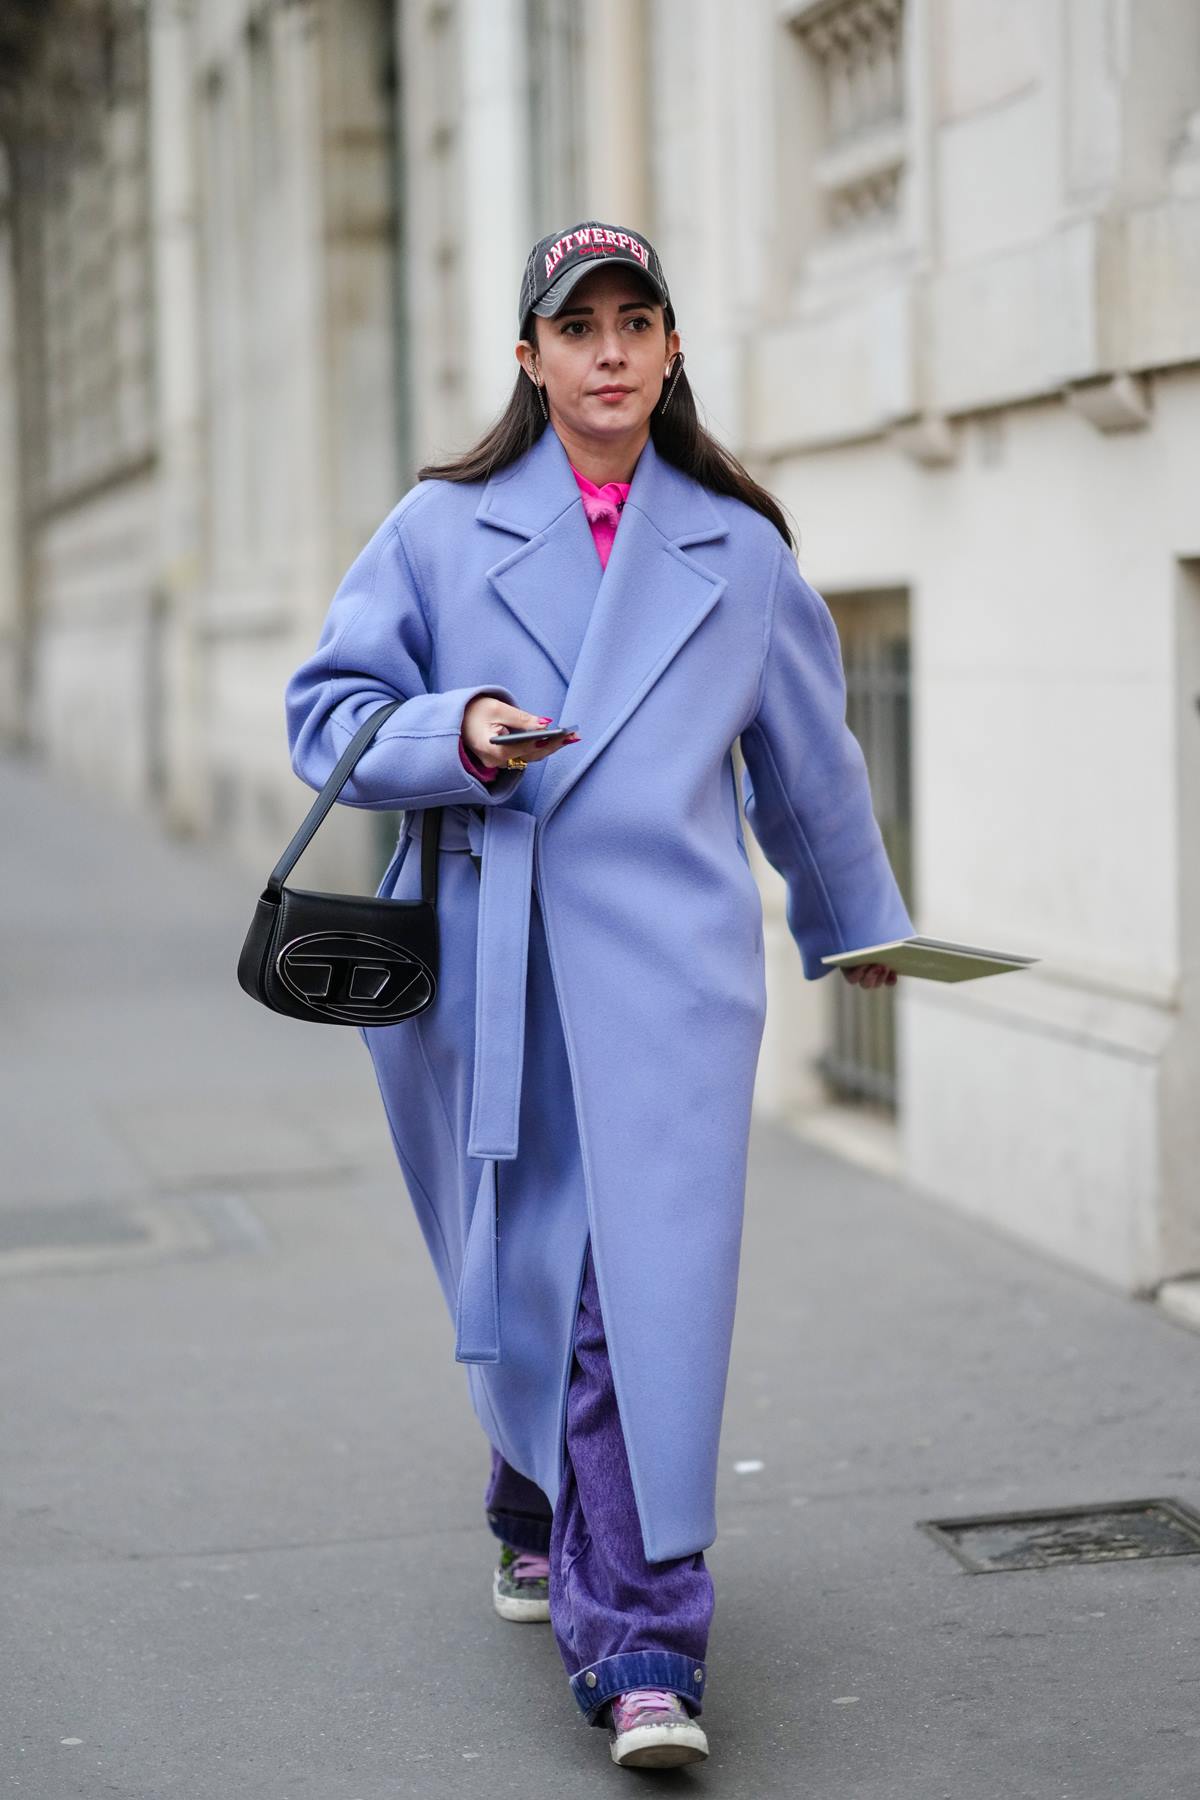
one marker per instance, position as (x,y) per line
(854,56)
(89,291)
(859,1059)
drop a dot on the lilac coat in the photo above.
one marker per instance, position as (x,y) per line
(588,1064)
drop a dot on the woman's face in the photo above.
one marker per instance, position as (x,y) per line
(610,334)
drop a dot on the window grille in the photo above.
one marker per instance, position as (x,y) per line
(859,1059)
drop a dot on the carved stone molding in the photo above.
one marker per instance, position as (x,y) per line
(1113,402)
(929,440)
(856,46)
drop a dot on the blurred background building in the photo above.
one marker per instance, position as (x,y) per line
(937,271)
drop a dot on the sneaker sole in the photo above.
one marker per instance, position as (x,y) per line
(524,1612)
(659,1746)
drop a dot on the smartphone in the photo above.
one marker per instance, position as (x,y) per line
(529,737)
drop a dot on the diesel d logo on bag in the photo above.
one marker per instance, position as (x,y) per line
(344,959)
(354,977)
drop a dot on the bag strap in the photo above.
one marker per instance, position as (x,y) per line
(338,778)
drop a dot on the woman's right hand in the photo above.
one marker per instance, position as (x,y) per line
(871,975)
(486,714)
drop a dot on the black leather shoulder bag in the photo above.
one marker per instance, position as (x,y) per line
(344,959)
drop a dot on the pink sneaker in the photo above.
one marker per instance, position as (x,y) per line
(651,1728)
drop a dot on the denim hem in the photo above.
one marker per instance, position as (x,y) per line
(596,1684)
(521,1530)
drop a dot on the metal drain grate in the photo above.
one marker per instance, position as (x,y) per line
(1121,1531)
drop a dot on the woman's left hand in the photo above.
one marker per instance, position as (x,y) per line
(871,975)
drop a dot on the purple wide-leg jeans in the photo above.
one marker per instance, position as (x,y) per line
(620,1622)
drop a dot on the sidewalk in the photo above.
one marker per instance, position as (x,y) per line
(241,1531)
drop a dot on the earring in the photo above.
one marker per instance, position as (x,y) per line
(671,387)
(542,399)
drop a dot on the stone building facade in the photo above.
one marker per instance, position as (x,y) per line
(975,376)
(202,288)
(937,270)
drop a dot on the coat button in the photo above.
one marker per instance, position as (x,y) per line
(699,1675)
(590,1678)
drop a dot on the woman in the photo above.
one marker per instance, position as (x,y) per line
(601,1003)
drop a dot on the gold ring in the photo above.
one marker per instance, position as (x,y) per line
(516,762)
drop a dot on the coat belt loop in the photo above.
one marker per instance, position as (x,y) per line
(501,968)
(477,1317)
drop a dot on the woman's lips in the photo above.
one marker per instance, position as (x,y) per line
(612,393)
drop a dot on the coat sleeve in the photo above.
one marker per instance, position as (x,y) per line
(805,789)
(376,646)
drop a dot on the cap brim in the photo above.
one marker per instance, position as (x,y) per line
(554,298)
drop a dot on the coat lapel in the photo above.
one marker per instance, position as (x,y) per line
(643,607)
(550,580)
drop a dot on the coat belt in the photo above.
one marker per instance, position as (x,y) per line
(501,968)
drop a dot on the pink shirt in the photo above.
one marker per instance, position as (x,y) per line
(603,508)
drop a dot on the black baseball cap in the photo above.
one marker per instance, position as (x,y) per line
(558,262)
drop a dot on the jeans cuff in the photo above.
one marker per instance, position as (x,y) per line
(682,1675)
(521,1530)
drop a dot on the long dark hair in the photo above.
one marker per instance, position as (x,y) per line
(678,435)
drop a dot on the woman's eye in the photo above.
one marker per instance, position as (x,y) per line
(568,330)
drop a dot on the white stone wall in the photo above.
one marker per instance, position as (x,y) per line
(298,357)
(467,149)
(1046,607)
(970,367)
